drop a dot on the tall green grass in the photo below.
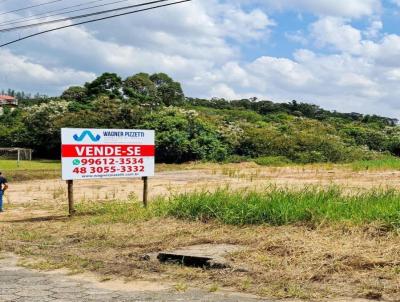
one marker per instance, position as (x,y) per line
(385,163)
(278,206)
(273,206)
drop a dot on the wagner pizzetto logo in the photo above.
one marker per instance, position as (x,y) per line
(87,133)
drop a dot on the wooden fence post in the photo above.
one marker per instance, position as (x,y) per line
(71,208)
(145,190)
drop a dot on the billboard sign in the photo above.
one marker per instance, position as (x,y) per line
(107,153)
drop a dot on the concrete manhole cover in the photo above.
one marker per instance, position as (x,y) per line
(203,255)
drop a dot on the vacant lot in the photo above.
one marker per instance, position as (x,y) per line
(27,170)
(174,178)
(303,258)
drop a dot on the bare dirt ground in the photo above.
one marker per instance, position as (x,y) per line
(234,176)
(298,262)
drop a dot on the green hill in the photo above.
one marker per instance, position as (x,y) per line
(198,129)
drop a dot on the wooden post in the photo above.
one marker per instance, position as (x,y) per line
(145,190)
(71,208)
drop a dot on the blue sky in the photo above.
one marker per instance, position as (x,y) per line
(342,55)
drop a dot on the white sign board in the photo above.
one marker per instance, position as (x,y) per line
(107,153)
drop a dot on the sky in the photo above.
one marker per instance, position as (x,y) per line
(343,55)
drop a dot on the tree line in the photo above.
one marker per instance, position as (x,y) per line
(189,129)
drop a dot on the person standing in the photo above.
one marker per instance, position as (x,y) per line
(3,188)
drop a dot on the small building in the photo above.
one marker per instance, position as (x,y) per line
(7,101)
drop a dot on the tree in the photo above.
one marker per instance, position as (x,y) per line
(169,92)
(109,84)
(75,93)
(140,87)
(181,136)
(41,132)
(103,113)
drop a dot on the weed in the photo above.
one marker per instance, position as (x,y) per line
(113,212)
(213,288)
(280,206)
(274,206)
(43,265)
(59,192)
(181,287)
(272,161)
(29,235)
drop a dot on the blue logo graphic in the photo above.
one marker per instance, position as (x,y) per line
(85,133)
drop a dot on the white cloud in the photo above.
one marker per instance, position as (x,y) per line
(331,31)
(393,74)
(31,76)
(243,26)
(353,70)
(297,37)
(374,29)
(223,91)
(343,81)
(340,8)
(185,41)
(386,52)
(339,82)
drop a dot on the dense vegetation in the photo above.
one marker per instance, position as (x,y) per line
(273,206)
(198,129)
(280,206)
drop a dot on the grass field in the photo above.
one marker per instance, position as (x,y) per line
(46,169)
(283,206)
(12,165)
(312,243)
(273,206)
(27,170)
(303,239)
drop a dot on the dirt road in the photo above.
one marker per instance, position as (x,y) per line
(18,285)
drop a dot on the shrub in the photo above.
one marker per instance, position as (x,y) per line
(272,161)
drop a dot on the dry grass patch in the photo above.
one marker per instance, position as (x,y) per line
(279,262)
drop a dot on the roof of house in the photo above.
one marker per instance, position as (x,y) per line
(7,97)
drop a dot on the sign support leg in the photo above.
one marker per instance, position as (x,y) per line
(145,190)
(71,208)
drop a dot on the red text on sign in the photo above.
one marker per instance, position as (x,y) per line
(106,150)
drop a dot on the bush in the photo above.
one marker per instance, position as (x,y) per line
(272,161)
